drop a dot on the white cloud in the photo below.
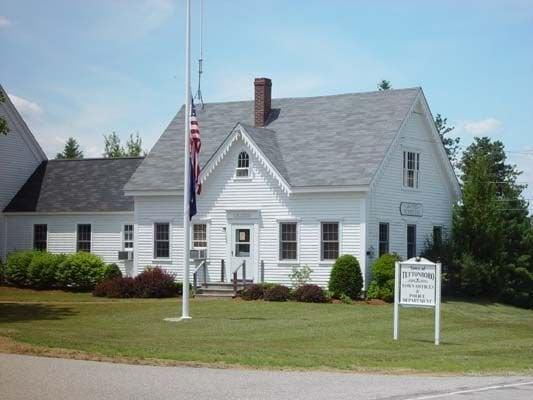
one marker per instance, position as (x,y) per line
(483,127)
(27,108)
(4,22)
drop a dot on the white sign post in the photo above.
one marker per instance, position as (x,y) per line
(417,284)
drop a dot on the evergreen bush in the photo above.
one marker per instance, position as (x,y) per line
(346,278)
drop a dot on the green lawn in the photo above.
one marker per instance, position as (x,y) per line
(476,337)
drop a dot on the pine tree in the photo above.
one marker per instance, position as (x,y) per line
(384,85)
(451,144)
(112,147)
(70,151)
(4,129)
(493,236)
(134,146)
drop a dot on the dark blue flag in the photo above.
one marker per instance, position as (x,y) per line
(192,192)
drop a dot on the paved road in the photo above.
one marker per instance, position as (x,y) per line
(26,377)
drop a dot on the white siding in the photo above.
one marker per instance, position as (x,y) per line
(434,192)
(19,157)
(106,232)
(222,192)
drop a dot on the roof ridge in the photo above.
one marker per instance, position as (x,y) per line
(97,158)
(322,96)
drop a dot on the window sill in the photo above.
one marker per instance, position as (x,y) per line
(326,262)
(161,261)
(410,189)
(243,179)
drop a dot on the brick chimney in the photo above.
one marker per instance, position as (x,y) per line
(263,97)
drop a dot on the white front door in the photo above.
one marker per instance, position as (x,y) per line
(242,249)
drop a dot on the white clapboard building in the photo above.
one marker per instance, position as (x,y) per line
(293,181)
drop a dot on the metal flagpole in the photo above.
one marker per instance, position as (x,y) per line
(186,169)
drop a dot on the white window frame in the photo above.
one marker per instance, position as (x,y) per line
(206,235)
(46,239)
(339,224)
(416,170)
(289,260)
(124,240)
(248,169)
(169,240)
(78,240)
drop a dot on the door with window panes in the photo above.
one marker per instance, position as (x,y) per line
(242,249)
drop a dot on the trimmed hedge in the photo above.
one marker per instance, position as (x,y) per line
(80,271)
(346,278)
(152,283)
(44,270)
(382,283)
(277,293)
(310,294)
(17,266)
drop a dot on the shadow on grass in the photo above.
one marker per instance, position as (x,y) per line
(12,312)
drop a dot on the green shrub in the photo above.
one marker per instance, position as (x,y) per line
(310,294)
(300,275)
(42,270)
(112,271)
(345,299)
(276,293)
(80,271)
(18,262)
(346,278)
(382,283)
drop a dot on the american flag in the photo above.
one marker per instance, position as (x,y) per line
(194,151)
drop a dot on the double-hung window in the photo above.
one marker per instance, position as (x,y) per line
(199,236)
(83,242)
(161,240)
(128,237)
(329,243)
(411,169)
(288,241)
(383,238)
(40,236)
(411,241)
(243,165)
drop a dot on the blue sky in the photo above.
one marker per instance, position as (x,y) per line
(85,69)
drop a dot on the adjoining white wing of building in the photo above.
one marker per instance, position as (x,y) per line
(286,182)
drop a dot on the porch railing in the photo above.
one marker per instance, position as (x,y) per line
(200,275)
(235,278)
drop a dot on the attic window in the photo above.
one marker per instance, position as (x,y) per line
(411,169)
(243,165)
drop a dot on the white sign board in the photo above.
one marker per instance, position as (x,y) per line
(417,284)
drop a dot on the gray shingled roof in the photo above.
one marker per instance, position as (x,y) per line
(85,185)
(307,139)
